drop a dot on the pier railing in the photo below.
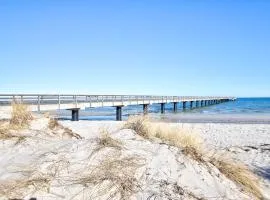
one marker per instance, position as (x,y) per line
(41,99)
(39,102)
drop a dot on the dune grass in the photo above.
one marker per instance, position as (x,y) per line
(192,146)
(57,128)
(105,140)
(18,188)
(190,143)
(239,173)
(4,133)
(113,176)
(20,116)
(53,123)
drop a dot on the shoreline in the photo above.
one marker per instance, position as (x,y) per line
(187,118)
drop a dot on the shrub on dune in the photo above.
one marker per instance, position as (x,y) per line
(20,116)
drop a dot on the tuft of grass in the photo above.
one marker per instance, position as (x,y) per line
(20,116)
(114,176)
(6,135)
(190,143)
(19,188)
(240,174)
(71,134)
(53,123)
(140,124)
(105,140)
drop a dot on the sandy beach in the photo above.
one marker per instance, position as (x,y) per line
(135,100)
(69,162)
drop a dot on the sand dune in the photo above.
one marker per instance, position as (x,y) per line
(56,164)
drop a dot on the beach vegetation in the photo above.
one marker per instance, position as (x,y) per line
(239,173)
(20,116)
(53,124)
(105,140)
(113,176)
(192,145)
(32,181)
(59,129)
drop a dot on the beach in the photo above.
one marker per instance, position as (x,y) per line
(135,100)
(73,160)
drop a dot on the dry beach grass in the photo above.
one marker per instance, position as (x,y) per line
(20,119)
(191,145)
(20,116)
(113,177)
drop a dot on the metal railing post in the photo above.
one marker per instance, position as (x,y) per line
(90,101)
(59,102)
(38,107)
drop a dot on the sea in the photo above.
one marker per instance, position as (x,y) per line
(241,110)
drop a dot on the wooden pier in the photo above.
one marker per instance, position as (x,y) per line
(47,102)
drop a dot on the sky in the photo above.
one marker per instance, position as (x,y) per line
(155,47)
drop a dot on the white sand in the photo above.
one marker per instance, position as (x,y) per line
(163,172)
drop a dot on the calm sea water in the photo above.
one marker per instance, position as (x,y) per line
(245,106)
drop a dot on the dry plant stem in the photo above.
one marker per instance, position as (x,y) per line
(113,176)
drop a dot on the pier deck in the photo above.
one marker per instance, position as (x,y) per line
(47,102)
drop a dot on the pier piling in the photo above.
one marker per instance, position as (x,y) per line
(191,104)
(184,105)
(162,108)
(175,104)
(74,114)
(119,113)
(145,109)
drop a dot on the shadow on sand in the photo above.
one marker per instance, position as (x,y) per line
(264,172)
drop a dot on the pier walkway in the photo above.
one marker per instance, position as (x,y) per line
(47,102)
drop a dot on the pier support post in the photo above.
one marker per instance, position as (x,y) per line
(184,105)
(74,114)
(118,113)
(162,108)
(145,109)
(201,103)
(175,106)
(191,104)
(197,103)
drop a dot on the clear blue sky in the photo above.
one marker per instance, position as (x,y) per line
(135,47)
